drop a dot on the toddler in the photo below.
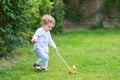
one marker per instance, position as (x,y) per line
(42,39)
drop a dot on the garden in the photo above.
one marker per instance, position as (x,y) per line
(94,51)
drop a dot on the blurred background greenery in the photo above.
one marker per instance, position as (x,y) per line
(20,18)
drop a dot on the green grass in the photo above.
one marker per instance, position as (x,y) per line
(96,54)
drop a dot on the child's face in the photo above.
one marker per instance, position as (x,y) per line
(48,27)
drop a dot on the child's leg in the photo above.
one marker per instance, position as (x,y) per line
(43,58)
(39,61)
(38,53)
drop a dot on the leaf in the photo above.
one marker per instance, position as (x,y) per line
(11,15)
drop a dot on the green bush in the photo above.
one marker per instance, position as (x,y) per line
(98,25)
(58,13)
(13,24)
(53,7)
(45,7)
(111,8)
(75,15)
(19,19)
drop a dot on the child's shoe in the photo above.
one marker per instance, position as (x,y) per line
(45,69)
(37,67)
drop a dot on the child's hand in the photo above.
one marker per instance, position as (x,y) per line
(56,49)
(34,40)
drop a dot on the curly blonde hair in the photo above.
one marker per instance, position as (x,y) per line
(47,19)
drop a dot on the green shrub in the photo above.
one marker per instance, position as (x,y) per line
(45,7)
(53,7)
(58,13)
(19,19)
(98,25)
(13,24)
(75,15)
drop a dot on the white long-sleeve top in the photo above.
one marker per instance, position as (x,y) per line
(43,39)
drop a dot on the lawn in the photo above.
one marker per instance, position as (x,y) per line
(96,54)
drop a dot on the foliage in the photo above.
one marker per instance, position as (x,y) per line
(19,19)
(37,10)
(13,24)
(58,13)
(73,10)
(111,8)
(45,7)
(74,15)
(53,7)
(98,25)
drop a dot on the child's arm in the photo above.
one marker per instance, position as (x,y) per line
(34,39)
(52,43)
